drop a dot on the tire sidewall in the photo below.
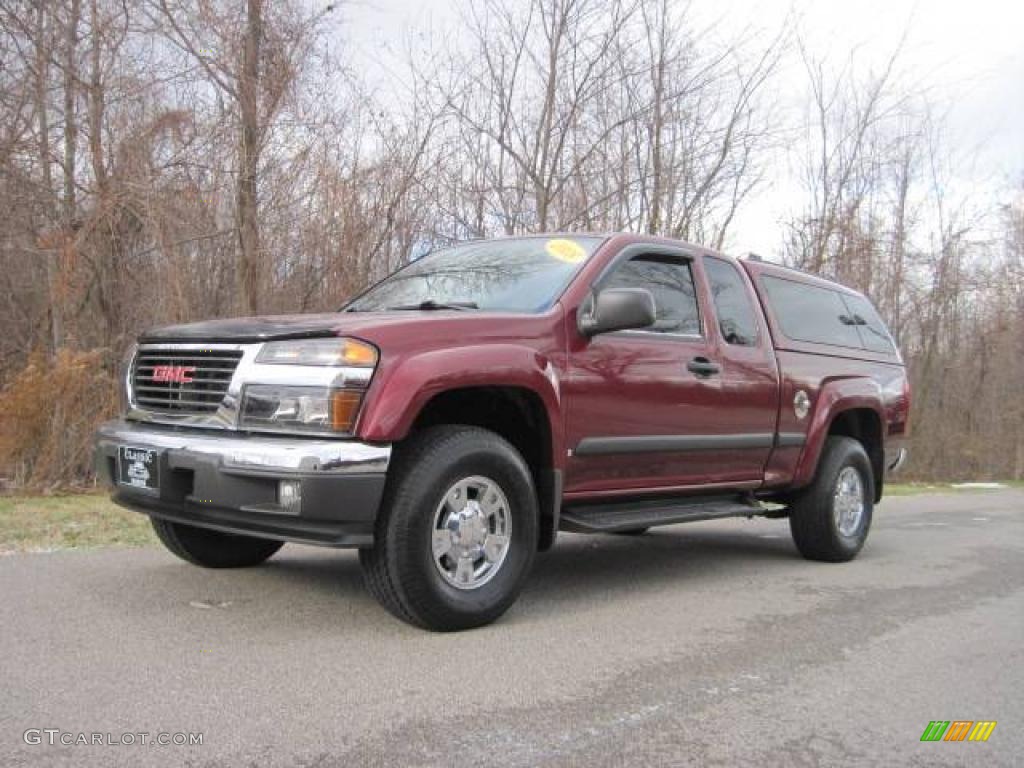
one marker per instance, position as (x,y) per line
(213,549)
(850,455)
(497,461)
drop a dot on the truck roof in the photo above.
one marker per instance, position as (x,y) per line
(753,266)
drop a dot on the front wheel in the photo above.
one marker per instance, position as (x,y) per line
(830,518)
(456,536)
(213,549)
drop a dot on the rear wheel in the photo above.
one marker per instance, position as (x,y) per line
(213,549)
(457,533)
(830,519)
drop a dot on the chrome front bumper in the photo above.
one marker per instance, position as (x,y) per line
(252,452)
(231,482)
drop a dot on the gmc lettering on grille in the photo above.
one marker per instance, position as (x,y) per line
(178,374)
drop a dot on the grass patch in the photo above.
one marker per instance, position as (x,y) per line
(917,489)
(43,523)
(913,489)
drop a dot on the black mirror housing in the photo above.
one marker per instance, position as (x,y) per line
(617,309)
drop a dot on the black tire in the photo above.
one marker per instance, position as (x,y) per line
(400,570)
(812,518)
(213,549)
(633,531)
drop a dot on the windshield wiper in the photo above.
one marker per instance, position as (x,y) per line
(431,304)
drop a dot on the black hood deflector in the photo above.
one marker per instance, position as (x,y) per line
(248,329)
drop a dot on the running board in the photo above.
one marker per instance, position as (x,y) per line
(609,517)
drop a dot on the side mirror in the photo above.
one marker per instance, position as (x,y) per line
(617,309)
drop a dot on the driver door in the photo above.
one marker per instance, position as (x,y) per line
(644,406)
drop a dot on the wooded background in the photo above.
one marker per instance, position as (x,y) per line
(169,160)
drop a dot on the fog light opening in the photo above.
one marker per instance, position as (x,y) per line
(289,496)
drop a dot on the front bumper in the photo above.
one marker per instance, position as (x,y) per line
(229,482)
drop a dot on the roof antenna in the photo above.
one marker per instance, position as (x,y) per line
(753,257)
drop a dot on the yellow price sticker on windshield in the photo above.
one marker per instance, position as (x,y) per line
(566,250)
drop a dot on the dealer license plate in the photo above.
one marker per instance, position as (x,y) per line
(138,468)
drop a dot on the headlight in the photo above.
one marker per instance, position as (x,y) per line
(336,351)
(301,409)
(328,403)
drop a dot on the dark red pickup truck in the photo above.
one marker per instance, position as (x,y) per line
(451,419)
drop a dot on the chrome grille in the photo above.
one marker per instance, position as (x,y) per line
(209,371)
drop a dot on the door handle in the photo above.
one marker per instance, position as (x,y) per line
(702,367)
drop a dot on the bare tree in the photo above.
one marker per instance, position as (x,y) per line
(176,159)
(252,60)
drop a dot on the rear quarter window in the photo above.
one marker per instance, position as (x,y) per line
(735,313)
(811,313)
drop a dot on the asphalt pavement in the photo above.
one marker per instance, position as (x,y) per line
(710,644)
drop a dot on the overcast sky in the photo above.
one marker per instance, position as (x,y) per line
(969,53)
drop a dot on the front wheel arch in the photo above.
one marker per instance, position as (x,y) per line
(517,414)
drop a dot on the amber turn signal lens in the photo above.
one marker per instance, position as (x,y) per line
(332,351)
(344,408)
(357,353)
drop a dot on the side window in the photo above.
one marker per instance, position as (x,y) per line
(670,282)
(873,333)
(810,313)
(736,319)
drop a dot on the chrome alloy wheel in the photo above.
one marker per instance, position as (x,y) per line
(848,501)
(471,532)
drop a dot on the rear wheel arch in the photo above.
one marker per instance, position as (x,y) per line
(844,407)
(864,425)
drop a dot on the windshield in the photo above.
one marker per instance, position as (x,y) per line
(513,275)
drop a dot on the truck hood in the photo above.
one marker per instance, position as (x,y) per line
(439,327)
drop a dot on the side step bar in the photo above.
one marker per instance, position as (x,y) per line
(609,517)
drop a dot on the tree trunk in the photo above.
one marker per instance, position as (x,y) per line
(657,126)
(249,156)
(52,251)
(70,121)
(97,104)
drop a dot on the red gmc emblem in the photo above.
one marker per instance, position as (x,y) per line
(176,374)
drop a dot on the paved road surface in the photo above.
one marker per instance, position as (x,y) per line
(708,644)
